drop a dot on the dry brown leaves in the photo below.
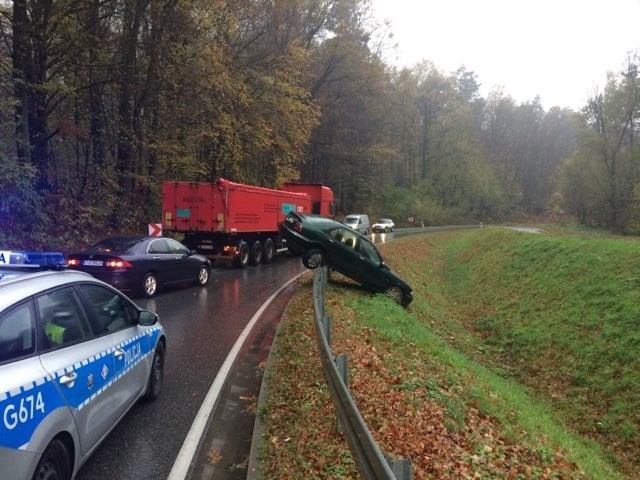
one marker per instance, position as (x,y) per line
(407,422)
(407,415)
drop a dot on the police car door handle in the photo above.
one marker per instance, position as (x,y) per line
(119,353)
(68,379)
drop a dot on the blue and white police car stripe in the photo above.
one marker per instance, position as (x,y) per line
(24,408)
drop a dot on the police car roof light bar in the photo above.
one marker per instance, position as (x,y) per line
(33,260)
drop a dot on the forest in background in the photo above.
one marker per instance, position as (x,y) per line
(102,100)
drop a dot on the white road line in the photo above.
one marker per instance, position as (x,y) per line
(181,466)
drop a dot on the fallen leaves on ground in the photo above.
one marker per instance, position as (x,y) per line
(213,457)
(411,412)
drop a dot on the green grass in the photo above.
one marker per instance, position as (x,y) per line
(565,313)
(549,322)
(539,333)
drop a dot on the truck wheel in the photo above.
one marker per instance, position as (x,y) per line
(255,256)
(242,256)
(313,258)
(268,251)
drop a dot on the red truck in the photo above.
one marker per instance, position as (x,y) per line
(233,222)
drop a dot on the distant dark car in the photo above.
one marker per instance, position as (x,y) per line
(383,225)
(142,264)
(321,240)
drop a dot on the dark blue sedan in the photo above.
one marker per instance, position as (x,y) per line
(142,264)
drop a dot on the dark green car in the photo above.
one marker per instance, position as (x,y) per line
(321,240)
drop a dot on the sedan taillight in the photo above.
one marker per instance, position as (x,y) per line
(117,263)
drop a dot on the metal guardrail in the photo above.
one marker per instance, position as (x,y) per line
(371,462)
(403,232)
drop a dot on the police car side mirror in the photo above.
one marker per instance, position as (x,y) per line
(147,318)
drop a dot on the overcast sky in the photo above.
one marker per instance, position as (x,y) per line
(557,49)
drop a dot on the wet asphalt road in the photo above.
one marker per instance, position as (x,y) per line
(202,325)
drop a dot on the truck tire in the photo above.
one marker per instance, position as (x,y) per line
(242,258)
(268,250)
(255,255)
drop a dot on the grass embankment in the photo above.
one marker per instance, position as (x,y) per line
(519,358)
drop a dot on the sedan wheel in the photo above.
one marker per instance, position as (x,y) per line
(150,285)
(394,292)
(313,258)
(203,275)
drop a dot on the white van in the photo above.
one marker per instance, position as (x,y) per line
(358,222)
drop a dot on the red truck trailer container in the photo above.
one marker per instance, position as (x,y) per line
(321,196)
(230,221)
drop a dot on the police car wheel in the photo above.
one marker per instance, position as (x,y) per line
(156,376)
(149,285)
(54,463)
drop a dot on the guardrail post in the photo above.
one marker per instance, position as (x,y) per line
(343,368)
(371,462)
(341,363)
(401,468)
(326,324)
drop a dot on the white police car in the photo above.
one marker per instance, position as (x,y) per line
(75,356)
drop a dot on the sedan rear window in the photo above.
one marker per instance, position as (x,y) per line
(114,245)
